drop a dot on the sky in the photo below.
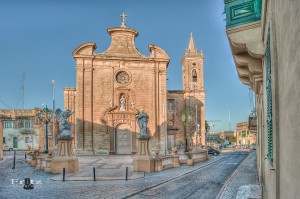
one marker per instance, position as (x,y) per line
(37,39)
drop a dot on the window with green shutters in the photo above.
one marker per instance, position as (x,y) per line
(269,100)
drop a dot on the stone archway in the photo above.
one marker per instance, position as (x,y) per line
(123,139)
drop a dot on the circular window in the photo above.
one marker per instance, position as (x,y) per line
(122,77)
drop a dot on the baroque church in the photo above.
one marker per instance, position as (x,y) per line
(113,86)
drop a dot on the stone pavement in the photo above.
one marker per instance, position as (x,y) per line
(114,168)
(106,168)
(245,175)
(11,184)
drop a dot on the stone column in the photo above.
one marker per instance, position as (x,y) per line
(1,141)
(79,105)
(88,108)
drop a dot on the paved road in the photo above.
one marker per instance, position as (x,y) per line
(203,183)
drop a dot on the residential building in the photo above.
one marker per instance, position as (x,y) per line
(20,128)
(264,36)
(244,135)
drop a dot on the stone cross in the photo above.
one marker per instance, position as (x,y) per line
(123,15)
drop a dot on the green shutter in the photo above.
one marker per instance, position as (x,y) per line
(269,100)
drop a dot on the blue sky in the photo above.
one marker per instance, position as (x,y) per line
(37,39)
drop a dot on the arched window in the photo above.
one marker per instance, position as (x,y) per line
(194,75)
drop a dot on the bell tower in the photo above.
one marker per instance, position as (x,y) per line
(193,87)
(192,68)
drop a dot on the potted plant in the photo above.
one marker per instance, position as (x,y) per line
(33,154)
(190,160)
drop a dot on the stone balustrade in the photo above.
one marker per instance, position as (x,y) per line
(175,160)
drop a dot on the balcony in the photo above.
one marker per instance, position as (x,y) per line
(240,12)
(243,28)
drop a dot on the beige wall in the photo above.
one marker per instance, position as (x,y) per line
(1,140)
(98,93)
(282,180)
(96,98)
(287,50)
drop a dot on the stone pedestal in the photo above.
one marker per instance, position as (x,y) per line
(48,168)
(41,161)
(143,161)
(65,157)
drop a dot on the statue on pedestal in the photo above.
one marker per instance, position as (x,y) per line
(65,157)
(142,120)
(143,160)
(65,125)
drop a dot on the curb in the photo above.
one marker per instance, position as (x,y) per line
(229,180)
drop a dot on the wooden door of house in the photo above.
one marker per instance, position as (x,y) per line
(15,142)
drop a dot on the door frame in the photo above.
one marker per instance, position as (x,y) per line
(130,139)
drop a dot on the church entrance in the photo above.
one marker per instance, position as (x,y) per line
(123,139)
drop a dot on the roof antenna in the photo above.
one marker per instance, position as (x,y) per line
(23,89)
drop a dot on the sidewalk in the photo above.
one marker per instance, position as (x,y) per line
(114,168)
(243,183)
(106,168)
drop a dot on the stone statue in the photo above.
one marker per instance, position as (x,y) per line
(64,124)
(122,103)
(142,120)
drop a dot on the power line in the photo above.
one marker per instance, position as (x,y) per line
(4,104)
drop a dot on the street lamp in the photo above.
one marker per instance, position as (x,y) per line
(186,119)
(45,117)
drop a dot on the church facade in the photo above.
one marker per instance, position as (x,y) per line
(112,87)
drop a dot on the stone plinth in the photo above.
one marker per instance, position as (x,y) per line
(41,161)
(65,157)
(143,161)
(48,168)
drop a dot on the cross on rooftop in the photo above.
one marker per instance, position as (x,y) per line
(123,15)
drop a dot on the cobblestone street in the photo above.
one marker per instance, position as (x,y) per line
(203,180)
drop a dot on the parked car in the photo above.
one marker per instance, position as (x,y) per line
(253,147)
(212,151)
(7,148)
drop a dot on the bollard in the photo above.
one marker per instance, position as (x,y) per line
(64,174)
(144,174)
(14,160)
(25,156)
(126,177)
(94,170)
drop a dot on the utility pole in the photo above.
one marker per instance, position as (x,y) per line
(229,121)
(164,120)
(53,119)
(23,90)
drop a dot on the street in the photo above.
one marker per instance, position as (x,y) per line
(203,180)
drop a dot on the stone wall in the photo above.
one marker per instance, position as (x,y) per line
(286,28)
(1,141)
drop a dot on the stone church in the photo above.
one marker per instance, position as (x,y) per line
(112,87)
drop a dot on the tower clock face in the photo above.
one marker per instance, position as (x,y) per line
(122,77)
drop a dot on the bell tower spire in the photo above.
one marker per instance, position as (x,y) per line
(192,48)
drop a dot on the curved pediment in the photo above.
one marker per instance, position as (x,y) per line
(157,52)
(85,49)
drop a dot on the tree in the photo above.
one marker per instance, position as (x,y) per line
(231,138)
(207,127)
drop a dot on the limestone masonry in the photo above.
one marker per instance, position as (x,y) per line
(112,87)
